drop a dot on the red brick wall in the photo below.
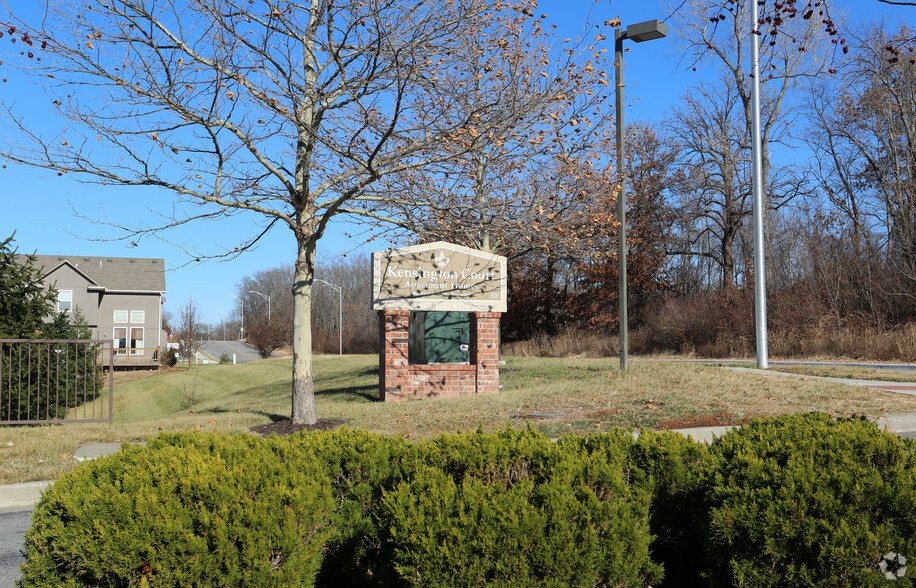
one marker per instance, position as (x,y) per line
(485,350)
(398,380)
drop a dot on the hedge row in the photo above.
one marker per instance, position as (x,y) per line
(794,501)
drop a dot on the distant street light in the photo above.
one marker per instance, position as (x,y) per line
(644,31)
(339,314)
(266,297)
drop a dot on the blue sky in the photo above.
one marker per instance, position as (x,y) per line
(47,211)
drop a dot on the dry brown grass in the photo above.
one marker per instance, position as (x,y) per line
(570,343)
(556,396)
(815,342)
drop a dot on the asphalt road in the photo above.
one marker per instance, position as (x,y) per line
(243,351)
(12,537)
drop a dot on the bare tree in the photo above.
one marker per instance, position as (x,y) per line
(359,331)
(189,329)
(713,193)
(863,134)
(793,52)
(266,301)
(522,187)
(287,111)
(269,334)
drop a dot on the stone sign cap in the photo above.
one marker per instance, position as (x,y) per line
(438,276)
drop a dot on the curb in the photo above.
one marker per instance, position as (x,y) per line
(22,496)
(25,496)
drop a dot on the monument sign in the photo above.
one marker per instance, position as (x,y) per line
(438,276)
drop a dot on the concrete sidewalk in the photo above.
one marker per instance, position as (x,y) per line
(908,388)
(24,496)
(898,424)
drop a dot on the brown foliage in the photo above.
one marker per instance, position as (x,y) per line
(268,336)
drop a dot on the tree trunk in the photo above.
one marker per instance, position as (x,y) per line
(728,260)
(303,409)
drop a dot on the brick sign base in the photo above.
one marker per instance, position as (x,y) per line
(399,380)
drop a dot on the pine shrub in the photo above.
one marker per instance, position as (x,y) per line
(515,509)
(190,510)
(806,501)
(362,467)
(669,464)
(798,500)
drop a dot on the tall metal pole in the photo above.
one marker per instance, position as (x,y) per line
(340,321)
(619,36)
(760,276)
(638,33)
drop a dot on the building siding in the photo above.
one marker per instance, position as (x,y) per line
(151,306)
(66,278)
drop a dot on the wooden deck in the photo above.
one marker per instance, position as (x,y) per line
(141,357)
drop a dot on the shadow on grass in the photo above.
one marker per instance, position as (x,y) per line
(369,372)
(273,417)
(369,393)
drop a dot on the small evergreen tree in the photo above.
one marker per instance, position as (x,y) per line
(25,301)
(48,380)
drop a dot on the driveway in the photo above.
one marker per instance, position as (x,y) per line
(13,524)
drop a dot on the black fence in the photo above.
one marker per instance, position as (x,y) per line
(55,381)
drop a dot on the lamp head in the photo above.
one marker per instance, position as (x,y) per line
(647,31)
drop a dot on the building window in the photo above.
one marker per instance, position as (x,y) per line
(136,340)
(137,317)
(120,340)
(65,300)
(120,316)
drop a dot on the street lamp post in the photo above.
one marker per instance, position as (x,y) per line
(760,274)
(266,297)
(339,314)
(644,31)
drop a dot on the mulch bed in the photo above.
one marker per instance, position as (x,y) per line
(286,427)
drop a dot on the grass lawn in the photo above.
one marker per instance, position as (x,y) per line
(556,396)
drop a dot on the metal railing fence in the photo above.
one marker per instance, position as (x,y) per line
(54,381)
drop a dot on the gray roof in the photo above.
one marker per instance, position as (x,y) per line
(118,274)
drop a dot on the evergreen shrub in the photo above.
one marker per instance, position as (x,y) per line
(362,466)
(669,464)
(806,501)
(798,500)
(190,510)
(169,357)
(41,379)
(515,509)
